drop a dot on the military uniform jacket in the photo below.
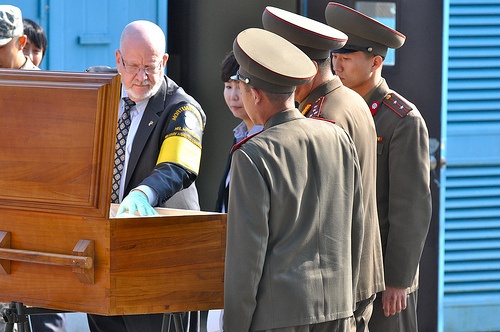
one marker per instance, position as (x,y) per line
(332,100)
(294,235)
(403,184)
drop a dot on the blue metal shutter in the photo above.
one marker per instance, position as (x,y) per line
(471,261)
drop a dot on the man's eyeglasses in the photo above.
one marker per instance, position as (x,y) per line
(150,70)
(239,77)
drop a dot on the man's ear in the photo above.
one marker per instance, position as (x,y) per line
(377,62)
(256,94)
(315,65)
(21,42)
(118,57)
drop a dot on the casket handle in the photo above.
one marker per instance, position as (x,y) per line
(81,262)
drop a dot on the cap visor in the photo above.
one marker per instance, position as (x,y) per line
(344,51)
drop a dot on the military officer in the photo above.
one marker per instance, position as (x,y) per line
(325,96)
(293,238)
(403,175)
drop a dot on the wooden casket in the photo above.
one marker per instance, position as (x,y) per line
(60,247)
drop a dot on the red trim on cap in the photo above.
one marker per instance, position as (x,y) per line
(304,29)
(270,71)
(367,17)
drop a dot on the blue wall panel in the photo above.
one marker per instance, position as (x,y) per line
(471,227)
(86,33)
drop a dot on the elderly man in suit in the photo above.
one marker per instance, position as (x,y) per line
(158,148)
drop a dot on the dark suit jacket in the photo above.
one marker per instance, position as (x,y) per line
(165,178)
(223,193)
(180,191)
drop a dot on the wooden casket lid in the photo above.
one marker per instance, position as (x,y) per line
(55,148)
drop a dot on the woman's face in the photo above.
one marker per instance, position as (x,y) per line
(232,96)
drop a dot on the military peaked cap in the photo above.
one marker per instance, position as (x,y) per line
(312,37)
(365,34)
(270,62)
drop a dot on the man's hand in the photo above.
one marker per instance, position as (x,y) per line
(393,300)
(136,200)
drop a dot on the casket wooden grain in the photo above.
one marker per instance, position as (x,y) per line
(59,247)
